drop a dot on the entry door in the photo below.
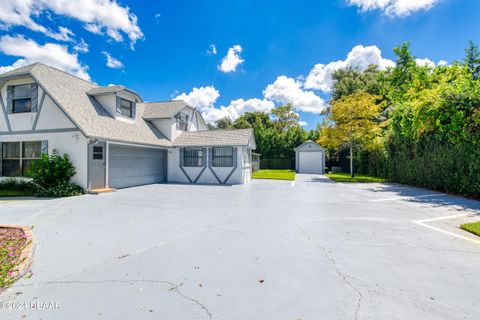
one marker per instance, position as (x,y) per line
(97,165)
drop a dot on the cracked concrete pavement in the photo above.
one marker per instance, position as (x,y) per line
(267,250)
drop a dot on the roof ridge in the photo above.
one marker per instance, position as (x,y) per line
(65,72)
(163,101)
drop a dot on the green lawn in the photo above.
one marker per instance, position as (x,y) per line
(472,227)
(16,193)
(275,174)
(345,177)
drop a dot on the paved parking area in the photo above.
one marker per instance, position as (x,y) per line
(267,250)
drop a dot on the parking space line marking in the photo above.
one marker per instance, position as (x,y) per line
(456,235)
(293,183)
(408,197)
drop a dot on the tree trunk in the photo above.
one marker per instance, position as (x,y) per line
(352,173)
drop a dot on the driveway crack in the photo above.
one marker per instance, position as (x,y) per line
(339,272)
(173,288)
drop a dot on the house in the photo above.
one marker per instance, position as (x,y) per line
(310,158)
(113,137)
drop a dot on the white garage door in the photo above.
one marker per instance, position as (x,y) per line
(133,166)
(310,162)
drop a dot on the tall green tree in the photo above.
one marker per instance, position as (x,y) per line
(350,80)
(224,123)
(352,124)
(472,59)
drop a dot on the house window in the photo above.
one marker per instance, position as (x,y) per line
(182,121)
(126,108)
(22,98)
(193,157)
(222,157)
(17,157)
(97,153)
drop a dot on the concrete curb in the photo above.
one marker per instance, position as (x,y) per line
(26,257)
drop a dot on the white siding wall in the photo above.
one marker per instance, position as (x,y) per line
(50,118)
(72,143)
(108,102)
(242,174)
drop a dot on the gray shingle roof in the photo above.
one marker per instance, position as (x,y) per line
(166,109)
(109,90)
(70,93)
(240,137)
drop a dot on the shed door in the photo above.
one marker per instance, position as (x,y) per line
(134,166)
(310,162)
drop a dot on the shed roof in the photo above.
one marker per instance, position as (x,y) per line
(309,145)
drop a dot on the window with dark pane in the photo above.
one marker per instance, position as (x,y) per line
(182,121)
(22,98)
(126,108)
(17,157)
(97,153)
(192,157)
(222,157)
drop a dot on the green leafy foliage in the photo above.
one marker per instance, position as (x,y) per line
(51,176)
(277,134)
(14,187)
(430,133)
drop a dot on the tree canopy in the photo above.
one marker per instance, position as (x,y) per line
(425,121)
(277,133)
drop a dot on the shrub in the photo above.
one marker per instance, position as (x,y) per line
(52,170)
(64,189)
(51,176)
(17,184)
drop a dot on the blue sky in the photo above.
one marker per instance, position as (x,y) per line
(161,48)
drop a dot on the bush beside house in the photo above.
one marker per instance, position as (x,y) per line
(51,176)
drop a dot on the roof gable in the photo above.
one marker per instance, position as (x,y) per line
(70,94)
(309,146)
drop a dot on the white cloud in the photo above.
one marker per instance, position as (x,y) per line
(64,34)
(50,54)
(360,57)
(232,60)
(236,108)
(288,90)
(201,98)
(82,46)
(394,7)
(303,123)
(442,63)
(212,50)
(425,62)
(112,62)
(99,16)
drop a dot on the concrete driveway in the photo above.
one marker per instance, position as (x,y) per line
(267,250)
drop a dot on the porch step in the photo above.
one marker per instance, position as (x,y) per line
(104,190)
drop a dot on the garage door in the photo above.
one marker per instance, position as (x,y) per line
(310,162)
(132,166)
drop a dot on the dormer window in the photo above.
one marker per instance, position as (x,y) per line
(22,98)
(182,121)
(126,108)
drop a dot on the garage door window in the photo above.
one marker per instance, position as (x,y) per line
(17,157)
(222,157)
(193,157)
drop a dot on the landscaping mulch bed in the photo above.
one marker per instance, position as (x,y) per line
(13,242)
